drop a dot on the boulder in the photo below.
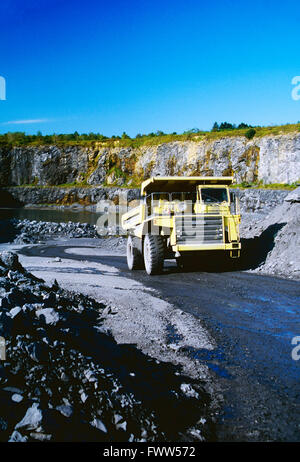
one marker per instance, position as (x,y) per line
(16,437)
(38,352)
(293,196)
(11,261)
(49,315)
(32,419)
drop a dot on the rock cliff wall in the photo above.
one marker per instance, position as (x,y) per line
(251,200)
(269,159)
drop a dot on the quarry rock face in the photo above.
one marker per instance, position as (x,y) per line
(83,196)
(269,159)
(251,200)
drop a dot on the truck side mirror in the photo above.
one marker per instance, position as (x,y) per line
(232,197)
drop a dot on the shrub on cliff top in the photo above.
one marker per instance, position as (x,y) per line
(250,133)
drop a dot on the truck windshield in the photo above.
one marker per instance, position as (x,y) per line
(210,195)
(183,196)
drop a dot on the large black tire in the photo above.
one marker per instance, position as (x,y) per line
(134,255)
(153,254)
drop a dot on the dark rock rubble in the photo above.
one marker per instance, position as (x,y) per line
(64,378)
(31,232)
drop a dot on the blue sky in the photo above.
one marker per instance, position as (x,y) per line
(142,66)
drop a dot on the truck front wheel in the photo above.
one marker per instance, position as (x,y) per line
(134,255)
(153,253)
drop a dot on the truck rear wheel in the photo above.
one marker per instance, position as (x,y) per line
(153,253)
(134,255)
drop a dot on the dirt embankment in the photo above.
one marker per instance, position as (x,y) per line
(277,237)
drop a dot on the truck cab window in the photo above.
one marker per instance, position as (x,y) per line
(214,195)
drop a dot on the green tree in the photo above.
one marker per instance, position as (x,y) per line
(227,126)
(243,125)
(250,133)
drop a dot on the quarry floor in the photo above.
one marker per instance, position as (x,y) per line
(232,330)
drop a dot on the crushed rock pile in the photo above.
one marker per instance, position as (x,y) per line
(279,230)
(65,379)
(29,232)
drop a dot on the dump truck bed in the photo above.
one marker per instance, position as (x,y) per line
(177,183)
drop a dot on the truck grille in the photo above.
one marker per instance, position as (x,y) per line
(195,230)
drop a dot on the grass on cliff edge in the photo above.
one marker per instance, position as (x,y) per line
(21,139)
(135,185)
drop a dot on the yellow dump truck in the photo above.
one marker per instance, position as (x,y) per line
(181,217)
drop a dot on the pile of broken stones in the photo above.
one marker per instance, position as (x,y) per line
(33,231)
(63,378)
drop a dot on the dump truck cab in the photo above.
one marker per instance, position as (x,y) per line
(181,217)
